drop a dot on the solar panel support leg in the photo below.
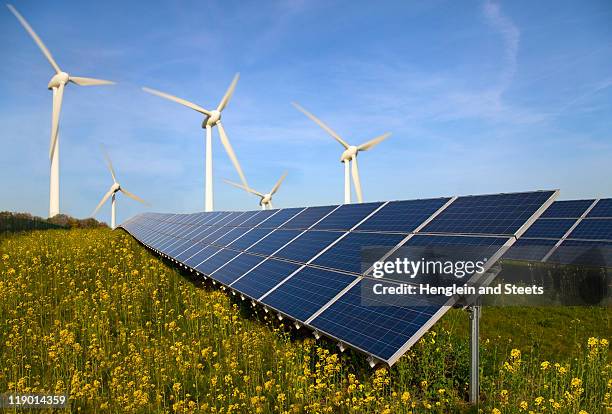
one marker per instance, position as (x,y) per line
(475,313)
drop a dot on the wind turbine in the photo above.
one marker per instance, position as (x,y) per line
(211,119)
(265,199)
(112,192)
(57,84)
(348,156)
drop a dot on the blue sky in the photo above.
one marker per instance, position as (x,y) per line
(481,97)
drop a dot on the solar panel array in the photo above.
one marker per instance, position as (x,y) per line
(306,263)
(569,232)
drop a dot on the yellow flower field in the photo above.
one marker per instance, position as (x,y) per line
(92,314)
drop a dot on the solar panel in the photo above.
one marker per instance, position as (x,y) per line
(307,291)
(530,249)
(308,217)
(402,216)
(201,255)
(583,253)
(593,229)
(215,261)
(306,262)
(488,214)
(237,267)
(549,228)
(264,277)
(603,208)
(307,245)
(274,241)
(562,241)
(346,255)
(379,330)
(346,216)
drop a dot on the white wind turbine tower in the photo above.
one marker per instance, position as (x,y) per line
(265,200)
(211,119)
(112,192)
(57,84)
(348,156)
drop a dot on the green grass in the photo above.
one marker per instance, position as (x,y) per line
(92,314)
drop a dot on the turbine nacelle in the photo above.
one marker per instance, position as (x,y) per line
(265,200)
(212,119)
(58,79)
(349,153)
(115,187)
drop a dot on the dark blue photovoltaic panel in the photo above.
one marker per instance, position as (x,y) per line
(530,249)
(200,256)
(255,220)
(279,218)
(164,242)
(583,252)
(307,291)
(430,240)
(264,277)
(567,209)
(308,217)
(190,251)
(549,228)
(402,216)
(203,233)
(236,268)
(603,208)
(488,214)
(230,237)
(214,235)
(378,330)
(216,261)
(346,216)
(347,253)
(228,219)
(300,291)
(593,229)
(274,241)
(167,241)
(179,247)
(307,245)
(248,216)
(253,236)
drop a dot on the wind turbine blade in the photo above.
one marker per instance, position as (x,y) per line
(247,189)
(58,94)
(322,125)
(231,153)
(228,93)
(32,33)
(278,184)
(109,163)
(133,196)
(89,81)
(373,142)
(106,196)
(178,100)
(356,180)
